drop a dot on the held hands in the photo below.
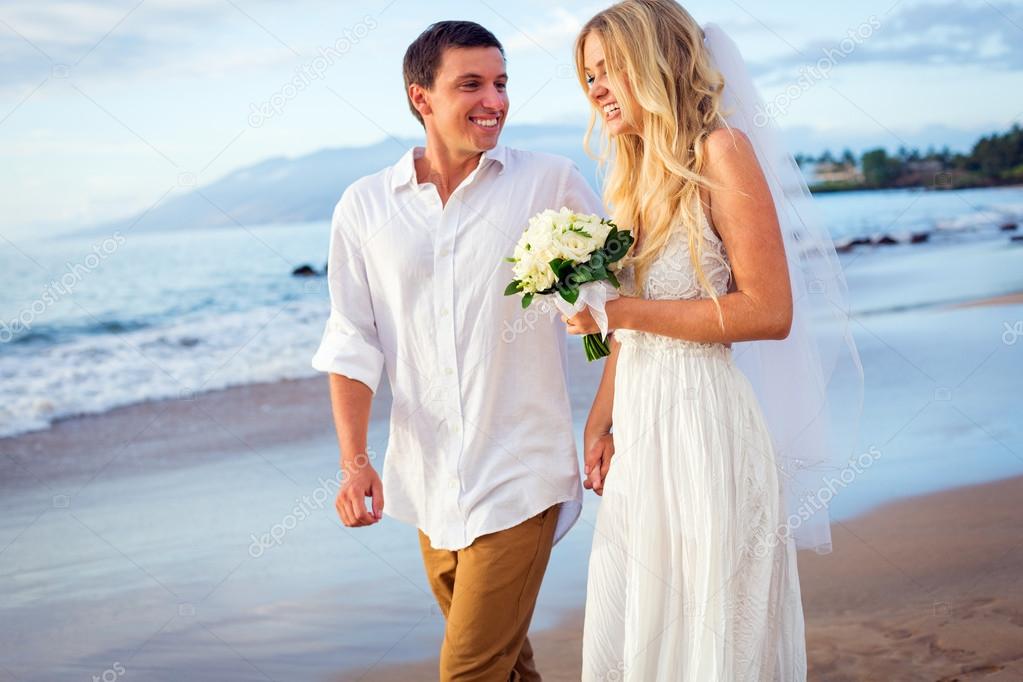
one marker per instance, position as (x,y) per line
(351,498)
(599,452)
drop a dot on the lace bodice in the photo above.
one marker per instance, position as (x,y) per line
(672,276)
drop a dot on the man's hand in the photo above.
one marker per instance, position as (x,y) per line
(598,461)
(351,498)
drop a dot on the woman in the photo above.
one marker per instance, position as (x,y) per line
(691,574)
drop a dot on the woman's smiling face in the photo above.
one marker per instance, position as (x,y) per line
(600,92)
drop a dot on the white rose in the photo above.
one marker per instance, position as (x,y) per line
(575,247)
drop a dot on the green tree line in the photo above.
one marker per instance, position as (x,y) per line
(995,159)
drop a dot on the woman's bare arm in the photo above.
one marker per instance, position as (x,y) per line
(597,439)
(744,215)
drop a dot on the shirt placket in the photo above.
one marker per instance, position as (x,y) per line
(449,376)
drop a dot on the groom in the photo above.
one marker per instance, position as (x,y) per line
(481,451)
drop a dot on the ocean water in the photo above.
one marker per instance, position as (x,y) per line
(91,324)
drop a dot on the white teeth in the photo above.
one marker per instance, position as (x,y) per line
(608,108)
(485,122)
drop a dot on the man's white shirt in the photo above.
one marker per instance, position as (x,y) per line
(481,435)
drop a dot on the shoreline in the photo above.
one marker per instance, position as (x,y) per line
(891,602)
(217,424)
(267,396)
(1004,299)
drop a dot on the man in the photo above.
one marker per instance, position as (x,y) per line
(481,451)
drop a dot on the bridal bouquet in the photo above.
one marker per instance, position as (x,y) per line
(572,256)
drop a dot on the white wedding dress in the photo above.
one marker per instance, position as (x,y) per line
(687,579)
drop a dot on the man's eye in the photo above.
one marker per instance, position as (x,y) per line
(502,86)
(470,84)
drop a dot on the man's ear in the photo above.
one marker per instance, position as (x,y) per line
(420,99)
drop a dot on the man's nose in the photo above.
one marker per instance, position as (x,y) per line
(493,99)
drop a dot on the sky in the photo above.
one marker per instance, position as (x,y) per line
(109,107)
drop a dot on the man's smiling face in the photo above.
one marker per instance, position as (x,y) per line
(468,103)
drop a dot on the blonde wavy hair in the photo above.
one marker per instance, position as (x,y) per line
(669,90)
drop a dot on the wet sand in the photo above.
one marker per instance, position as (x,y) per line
(1007,299)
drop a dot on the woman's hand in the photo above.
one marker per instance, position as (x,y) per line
(597,460)
(581,323)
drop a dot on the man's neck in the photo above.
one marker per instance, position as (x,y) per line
(445,167)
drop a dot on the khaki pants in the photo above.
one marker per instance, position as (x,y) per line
(487,593)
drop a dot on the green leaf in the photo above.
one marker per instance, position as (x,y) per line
(585,274)
(526,300)
(616,246)
(561,267)
(570,294)
(513,288)
(511,260)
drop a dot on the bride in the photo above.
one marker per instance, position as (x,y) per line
(692,573)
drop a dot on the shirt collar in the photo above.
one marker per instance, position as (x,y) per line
(404,172)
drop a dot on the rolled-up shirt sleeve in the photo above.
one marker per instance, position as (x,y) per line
(349,345)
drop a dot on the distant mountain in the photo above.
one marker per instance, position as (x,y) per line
(283,190)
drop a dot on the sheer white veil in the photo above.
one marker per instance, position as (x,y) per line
(809,385)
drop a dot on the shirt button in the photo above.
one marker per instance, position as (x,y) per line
(448,371)
(453,484)
(445,252)
(444,311)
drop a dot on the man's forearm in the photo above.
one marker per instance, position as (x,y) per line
(351,402)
